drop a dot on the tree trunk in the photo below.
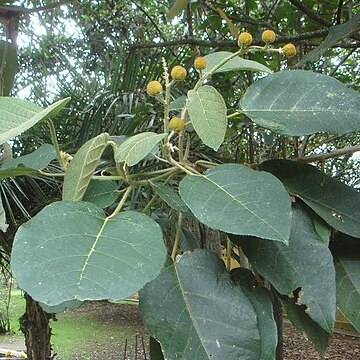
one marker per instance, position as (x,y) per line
(37,331)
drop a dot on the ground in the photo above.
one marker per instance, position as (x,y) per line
(105,331)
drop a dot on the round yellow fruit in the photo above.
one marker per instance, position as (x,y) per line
(178,73)
(200,63)
(177,124)
(268,36)
(154,88)
(245,39)
(289,50)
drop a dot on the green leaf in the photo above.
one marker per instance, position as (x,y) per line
(305,264)
(304,324)
(71,251)
(261,300)
(101,193)
(17,116)
(301,103)
(178,103)
(9,65)
(137,147)
(71,304)
(348,289)
(188,241)
(207,112)
(238,200)
(82,166)
(171,198)
(196,312)
(38,159)
(235,64)
(178,7)
(336,33)
(337,203)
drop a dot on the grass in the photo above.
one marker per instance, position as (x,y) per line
(77,332)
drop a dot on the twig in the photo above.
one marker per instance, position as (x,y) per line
(339,10)
(332,154)
(222,44)
(303,145)
(333,71)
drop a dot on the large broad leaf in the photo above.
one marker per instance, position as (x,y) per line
(9,64)
(38,159)
(137,147)
(101,193)
(17,116)
(71,304)
(178,7)
(29,164)
(301,103)
(207,111)
(261,300)
(336,33)
(82,167)
(235,64)
(305,264)
(196,312)
(348,289)
(238,200)
(337,203)
(303,323)
(71,251)
(171,198)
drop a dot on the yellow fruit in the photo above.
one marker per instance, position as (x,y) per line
(154,88)
(178,73)
(268,36)
(245,39)
(200,63)
(289,50)
(177,124)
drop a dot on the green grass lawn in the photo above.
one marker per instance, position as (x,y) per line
(76,332)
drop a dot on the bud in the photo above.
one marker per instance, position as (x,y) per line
(177,124)
(268,36)
(154,88)
(200,63)
(289,50)
(245,39)
(178,73)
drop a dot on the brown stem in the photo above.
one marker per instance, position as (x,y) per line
(279,324)
(298,4)
(332,154)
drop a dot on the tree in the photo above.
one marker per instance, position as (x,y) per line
(254,212)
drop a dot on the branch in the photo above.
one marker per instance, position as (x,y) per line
(19,10)
(332,154)
(310,13)
(233,44)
